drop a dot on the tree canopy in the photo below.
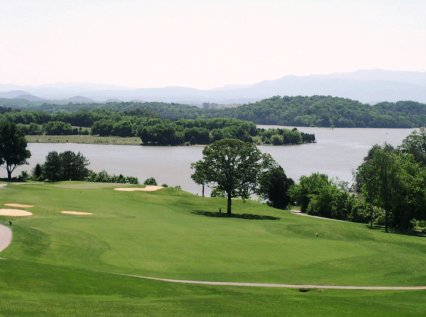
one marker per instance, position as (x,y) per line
(13,147)
(415,144)
(274,186)
(394,181)
(233,167)
(63,166)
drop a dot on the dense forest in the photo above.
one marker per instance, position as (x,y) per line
(318,111)
(151,130)
(322,111)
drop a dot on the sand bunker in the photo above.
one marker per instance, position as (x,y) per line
(18,205)
(14,213)
(149,188)
(76,213)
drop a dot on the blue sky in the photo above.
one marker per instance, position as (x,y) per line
(205,44)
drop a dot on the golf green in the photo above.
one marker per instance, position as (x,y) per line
(66,265)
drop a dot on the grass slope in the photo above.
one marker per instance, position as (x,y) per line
(61,265)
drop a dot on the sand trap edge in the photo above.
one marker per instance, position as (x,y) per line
(149,188)
(16,205)
(76,213)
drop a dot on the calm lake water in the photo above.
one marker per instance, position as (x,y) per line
(337,153)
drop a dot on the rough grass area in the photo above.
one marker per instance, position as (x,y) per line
(59,265)
(83,139)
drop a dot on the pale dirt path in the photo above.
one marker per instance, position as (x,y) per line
(292,286)
(5,237)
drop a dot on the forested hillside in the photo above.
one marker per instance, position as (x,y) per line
(317,111)
(326,111)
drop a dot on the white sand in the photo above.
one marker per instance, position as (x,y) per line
(18,205)
(14,213)
(76,213)
(149,188)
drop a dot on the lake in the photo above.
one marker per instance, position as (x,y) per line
(337,153)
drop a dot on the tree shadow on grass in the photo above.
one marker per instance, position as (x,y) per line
(415,233)
(225,215)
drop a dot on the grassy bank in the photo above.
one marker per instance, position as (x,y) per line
(83,139)
(62,265)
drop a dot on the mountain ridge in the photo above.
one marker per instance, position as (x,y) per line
(368,86)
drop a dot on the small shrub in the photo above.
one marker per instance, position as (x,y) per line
(150,181)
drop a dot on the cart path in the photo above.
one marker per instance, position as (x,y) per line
(5,237)
(299,213)
(293,286)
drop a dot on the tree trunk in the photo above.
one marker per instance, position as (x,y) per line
(386,220)
(9,175)
(228,209)
(202,191)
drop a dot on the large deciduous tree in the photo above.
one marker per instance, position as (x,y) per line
(378,177)
(234,167)
(13,147)
(395,182)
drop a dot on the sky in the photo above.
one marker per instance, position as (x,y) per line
(204,44)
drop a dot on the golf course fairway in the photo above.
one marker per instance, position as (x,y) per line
(82,264)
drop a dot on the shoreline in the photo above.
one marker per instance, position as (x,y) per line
(113,140)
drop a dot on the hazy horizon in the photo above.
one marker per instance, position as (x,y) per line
(205,45)
(225,85)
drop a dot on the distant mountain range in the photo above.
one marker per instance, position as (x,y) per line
(369,86)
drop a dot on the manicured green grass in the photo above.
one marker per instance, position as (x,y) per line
(62,265)
(83,139)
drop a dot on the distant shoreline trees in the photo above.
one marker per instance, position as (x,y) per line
(154,131)
(70,166)
(312,111)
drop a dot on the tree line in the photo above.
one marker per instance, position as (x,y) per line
(318,111)
(152,131)
(390,187)
(70,166)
